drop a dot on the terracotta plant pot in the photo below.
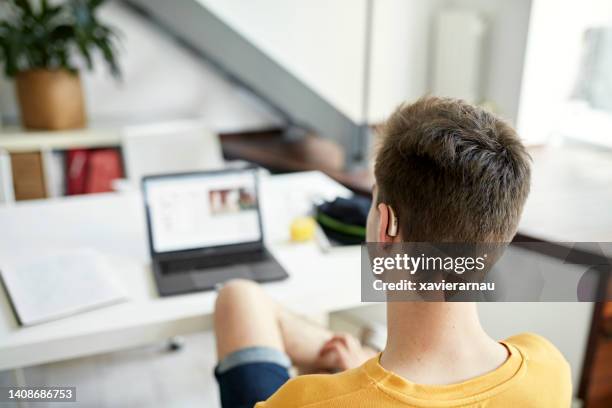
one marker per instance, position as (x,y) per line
(50,99)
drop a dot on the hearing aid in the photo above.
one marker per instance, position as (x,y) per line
(392,226)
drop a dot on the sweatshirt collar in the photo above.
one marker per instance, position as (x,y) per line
(472,390)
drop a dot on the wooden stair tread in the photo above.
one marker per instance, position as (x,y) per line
(270,149)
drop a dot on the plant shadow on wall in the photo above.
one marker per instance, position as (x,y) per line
(39,41)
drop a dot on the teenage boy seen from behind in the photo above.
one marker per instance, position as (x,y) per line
(446,171)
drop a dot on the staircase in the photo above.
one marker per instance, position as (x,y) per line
(305,111)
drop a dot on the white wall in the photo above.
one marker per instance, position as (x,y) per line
(507,24)
(400,53)
(552,60)
(160,81)
(321,42)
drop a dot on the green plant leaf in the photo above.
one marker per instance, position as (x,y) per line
(109,56)
(48,36)
(94,4)
(24,6)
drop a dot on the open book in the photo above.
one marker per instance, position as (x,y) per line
(51,286)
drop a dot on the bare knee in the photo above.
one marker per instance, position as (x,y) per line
(235,293)
(244,317)
(236,289)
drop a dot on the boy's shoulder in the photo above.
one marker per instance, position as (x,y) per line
(547,369)
(305,390)
(544,361)
(536,348)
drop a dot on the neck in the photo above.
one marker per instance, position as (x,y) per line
(438,343)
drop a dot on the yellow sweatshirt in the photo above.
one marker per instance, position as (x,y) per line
(534,375)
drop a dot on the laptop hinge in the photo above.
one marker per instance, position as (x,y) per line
(212,251)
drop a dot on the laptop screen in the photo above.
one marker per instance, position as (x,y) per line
(202,210)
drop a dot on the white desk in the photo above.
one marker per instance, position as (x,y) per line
(115,225)
(571,195)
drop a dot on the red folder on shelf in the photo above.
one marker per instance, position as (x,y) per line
(104,167)
(92,171)
(76,171)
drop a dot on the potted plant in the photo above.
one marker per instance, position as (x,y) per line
(38,46)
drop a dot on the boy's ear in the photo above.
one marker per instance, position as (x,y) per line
(388,224)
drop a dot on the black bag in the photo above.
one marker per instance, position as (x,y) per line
(344,219)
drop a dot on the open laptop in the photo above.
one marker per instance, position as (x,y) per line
(205,228)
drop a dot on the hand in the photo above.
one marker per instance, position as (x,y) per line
(343,352)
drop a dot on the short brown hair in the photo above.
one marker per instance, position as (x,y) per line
(452,172)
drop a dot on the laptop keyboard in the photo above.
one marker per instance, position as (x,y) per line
(192,265)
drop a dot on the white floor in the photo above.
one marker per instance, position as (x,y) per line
(146,377)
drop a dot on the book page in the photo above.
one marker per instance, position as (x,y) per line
(52,286)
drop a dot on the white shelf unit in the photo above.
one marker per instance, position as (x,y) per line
(15,140)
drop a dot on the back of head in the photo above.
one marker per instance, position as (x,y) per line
(452,172)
